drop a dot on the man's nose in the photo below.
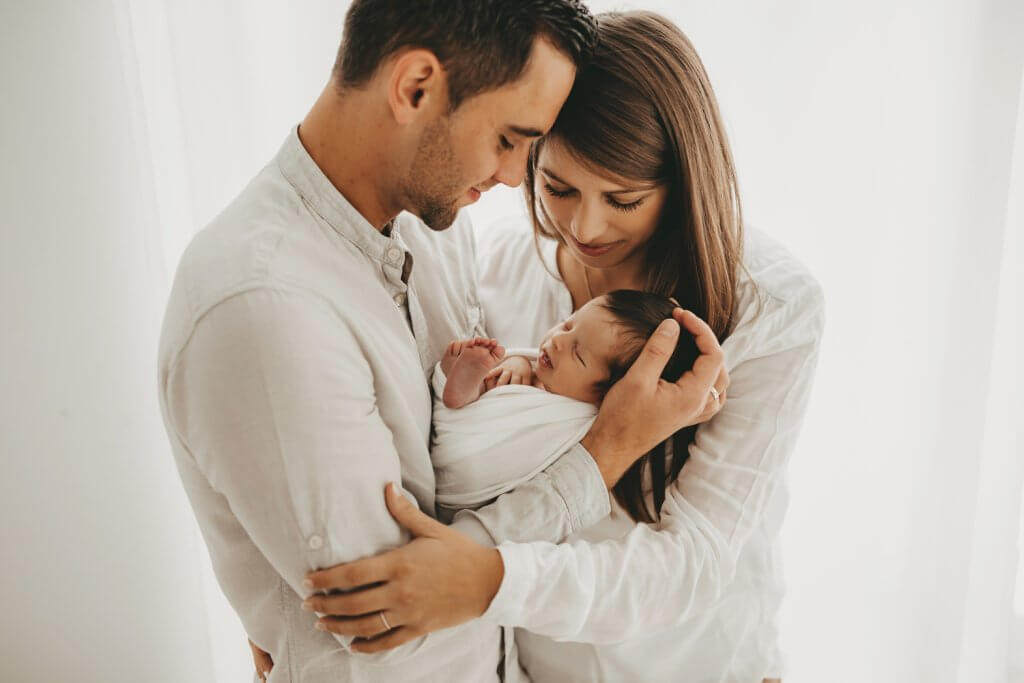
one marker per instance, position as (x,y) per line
(512,166)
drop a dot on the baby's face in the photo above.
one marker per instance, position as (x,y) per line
(575,355)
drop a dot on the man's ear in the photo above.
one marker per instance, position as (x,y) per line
(417,84)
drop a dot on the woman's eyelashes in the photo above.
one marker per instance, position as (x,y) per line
(619,206)
(555,192)
(505,143)
(629,206)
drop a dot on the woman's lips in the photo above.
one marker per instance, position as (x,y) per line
(545,360)
(593,249)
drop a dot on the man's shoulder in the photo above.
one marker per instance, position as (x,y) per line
(266,238)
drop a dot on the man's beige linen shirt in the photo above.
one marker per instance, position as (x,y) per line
(293,375)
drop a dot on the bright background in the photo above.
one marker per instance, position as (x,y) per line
(882,141)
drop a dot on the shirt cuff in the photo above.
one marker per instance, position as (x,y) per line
(578,481)
(507,607)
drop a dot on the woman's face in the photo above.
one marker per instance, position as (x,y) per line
(602,218)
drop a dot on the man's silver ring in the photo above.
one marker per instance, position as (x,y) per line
(387,626)
(714,394)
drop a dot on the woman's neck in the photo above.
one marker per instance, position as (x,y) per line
(585,283)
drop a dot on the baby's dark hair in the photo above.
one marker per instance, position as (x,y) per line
(638,315)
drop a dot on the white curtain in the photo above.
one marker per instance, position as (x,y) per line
(882,141)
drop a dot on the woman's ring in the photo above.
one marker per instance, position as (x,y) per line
(387,626)
(714,394)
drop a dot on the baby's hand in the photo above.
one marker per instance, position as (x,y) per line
(511,370)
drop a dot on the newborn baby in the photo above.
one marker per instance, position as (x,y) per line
(489,438)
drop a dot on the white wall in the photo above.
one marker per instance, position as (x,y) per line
(101,579)
(874,138)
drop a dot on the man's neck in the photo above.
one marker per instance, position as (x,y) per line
(346,140)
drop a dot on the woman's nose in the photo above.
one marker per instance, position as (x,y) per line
(585,224)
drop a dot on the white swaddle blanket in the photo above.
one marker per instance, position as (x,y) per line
(500,440)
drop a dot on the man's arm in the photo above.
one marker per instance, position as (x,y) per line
(274,401)
(643,404)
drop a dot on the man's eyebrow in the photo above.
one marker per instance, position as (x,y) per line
(526,132)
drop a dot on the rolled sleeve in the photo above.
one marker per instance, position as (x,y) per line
(570,495)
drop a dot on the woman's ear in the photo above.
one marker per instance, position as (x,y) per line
(417,85)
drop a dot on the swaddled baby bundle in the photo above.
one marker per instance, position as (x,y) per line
(500,440)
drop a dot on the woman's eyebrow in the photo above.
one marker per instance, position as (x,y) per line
(551,175)
(546,171)
(632,190)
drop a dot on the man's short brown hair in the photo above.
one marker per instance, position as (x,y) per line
(482,44)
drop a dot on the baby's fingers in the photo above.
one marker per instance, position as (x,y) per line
(506,377)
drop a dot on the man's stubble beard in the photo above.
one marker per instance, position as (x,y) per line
(433,186)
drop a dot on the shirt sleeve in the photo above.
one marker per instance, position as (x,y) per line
(570,495)
(275,403)
(659,575)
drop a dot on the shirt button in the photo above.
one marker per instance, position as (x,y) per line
(315,543)
(399,299)
(393,254)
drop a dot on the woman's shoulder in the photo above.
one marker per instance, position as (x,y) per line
(507,248)
(779,298)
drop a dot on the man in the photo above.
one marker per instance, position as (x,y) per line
(304,322)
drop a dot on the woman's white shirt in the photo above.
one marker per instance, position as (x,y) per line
(696,596)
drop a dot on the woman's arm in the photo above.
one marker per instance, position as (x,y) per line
(660,575)
(655,576)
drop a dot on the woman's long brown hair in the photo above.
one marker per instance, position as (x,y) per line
(642,108)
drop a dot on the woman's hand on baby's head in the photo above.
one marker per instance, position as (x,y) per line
(512,370)
(642,409)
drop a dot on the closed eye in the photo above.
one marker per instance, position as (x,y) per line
(576,349)
(629,206)
(555,192)
(505,143)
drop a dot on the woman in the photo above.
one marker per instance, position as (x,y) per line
(634,188)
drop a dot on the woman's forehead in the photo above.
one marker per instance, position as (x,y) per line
(563,164)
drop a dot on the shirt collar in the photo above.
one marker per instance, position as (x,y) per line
(299,169)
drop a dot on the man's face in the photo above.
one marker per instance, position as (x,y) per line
(487,139)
